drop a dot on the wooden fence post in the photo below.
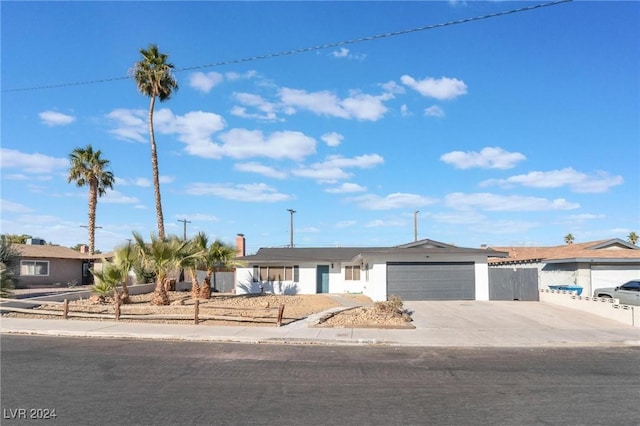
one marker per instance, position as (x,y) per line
(65,310)
(196,310)
(280,312)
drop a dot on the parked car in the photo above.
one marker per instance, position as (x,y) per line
(628,293)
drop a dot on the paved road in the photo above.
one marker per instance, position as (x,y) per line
(114,382)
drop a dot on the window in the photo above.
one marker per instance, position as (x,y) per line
(276,273)
(34,267)
(352,273)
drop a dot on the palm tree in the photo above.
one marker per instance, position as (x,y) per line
(108,278)
(154,79)
(88,168)
(198,245)
(633,238)
(569,239)
(163,256)
(218,256)
(125,259)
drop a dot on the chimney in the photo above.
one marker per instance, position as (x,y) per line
(84,249)
(240,250)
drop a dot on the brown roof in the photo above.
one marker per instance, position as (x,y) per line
(601,249)
(53,252)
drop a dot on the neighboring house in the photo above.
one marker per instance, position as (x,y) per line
(590,265)
(47,265)
(421,270)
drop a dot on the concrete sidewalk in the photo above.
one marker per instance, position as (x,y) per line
(438,324)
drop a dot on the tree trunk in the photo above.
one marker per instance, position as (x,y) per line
(195,285)
(93,201)
(205,290)
(156,173)
(124,297)
(160,296)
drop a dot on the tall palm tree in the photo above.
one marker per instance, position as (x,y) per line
(163,256)
(633,238)
(88,168)
(154,78)
(569,239)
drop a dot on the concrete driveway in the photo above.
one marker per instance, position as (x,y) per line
(505,323)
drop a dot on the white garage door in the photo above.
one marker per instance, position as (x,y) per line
(613,276)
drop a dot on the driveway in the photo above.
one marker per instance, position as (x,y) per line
(505,323)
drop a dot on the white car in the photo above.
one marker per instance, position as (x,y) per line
(628,293)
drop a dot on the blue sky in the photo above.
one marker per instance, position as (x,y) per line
(514,130)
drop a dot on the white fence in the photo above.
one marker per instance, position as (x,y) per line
(604,307)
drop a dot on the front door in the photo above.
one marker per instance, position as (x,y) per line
(322,279)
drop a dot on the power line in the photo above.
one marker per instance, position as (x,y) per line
(308,49)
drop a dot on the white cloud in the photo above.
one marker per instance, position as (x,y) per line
(386,223)
(343,52)
(577,181)
(391,201)
(443,88)
(404,110)
(131,124)
(346,188)
(331,169)
(116,197)
(393,88)
(434,111)
(195,128)
(509,203)
(332,139)
(488,158)
(11,207)
(252,193)
(242,143)
(205,82)
(233,76)
(30,163)
(261,169)
(267,110)
(142,182)
(340,53)
(357,106)
(53,118)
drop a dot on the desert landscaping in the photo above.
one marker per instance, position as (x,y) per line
(232,310)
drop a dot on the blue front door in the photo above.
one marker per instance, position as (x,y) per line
(322,279)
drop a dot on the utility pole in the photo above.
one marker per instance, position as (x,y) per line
(415,225)
(291,212)
(184,232)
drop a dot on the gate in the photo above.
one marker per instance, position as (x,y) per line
(513,284)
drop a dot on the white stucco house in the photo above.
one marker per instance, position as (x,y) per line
(421,270)
(590,265)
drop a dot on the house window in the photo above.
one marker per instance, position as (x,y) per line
(352,273)
(276,273)
(34,268)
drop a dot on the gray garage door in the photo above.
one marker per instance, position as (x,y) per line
(432,280)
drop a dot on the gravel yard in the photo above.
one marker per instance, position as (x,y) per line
(245,310)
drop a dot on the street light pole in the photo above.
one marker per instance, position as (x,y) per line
(291,212)
(415,225)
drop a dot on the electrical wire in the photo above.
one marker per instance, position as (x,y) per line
(307,49)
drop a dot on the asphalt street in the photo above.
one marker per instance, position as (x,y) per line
(134,382)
